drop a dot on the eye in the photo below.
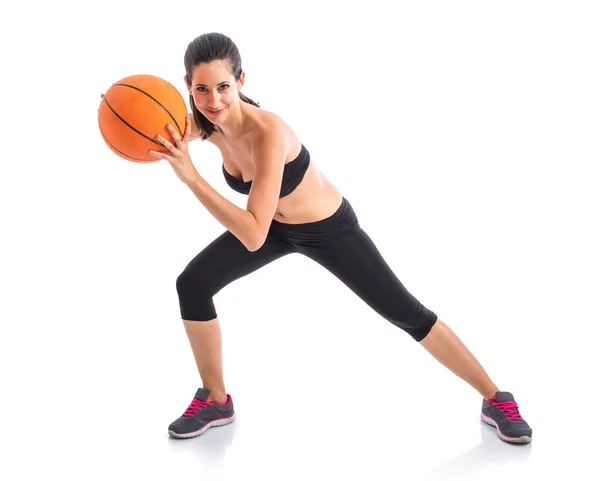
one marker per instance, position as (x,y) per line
(203,89)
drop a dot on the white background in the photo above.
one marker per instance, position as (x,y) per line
(464,134)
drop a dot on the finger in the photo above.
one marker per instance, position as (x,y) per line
(188,128)
(167,144)
(175,135)
(160,155)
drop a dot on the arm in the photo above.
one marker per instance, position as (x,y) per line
(239,222)
(250,226)
(269,162)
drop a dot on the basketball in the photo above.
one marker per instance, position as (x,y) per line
(135,110)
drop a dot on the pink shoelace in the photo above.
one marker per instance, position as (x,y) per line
(509,408)
(195,406)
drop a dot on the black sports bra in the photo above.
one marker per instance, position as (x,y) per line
(293,173)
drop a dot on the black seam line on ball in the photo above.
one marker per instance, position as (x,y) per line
(161,105)
(109,143)
(129,125)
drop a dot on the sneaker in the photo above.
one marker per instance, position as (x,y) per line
(503,413)
(202,415)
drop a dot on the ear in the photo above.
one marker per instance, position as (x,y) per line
(186,85)
(240,82)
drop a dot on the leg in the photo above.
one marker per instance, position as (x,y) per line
(220,263)
(205,340)
(355,260)
(447,348)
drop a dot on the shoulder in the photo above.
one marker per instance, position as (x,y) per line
(271,132)
(265,122)
(271,141)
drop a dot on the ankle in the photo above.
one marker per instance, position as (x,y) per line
(488,391)
(489,395)
(220,397)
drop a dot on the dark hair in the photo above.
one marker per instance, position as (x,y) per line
(205,49)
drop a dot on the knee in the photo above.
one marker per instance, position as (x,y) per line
(418,322)
(183,282)
(195,297)
(425,327)
(191,280)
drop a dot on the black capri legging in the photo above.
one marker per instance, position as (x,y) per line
(338,243)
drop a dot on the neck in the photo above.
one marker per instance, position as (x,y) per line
(234,125)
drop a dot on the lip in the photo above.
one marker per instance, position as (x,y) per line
(214,114)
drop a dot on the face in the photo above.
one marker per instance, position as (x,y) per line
(215,90)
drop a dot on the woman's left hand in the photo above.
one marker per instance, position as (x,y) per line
(180,160)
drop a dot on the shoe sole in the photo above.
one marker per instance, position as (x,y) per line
(212,424)
(509,439)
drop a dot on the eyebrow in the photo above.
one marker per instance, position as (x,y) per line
(203,85)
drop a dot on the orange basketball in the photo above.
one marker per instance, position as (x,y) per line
(135,110)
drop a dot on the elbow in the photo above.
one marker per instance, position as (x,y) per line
(256,243)
(254,247)
(256,235)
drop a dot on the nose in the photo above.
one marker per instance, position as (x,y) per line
(212,100)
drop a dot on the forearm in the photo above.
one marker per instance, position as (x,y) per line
(239,222)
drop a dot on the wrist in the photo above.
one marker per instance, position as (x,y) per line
(194,181)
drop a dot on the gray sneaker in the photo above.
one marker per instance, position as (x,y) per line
(202,415)
(502,412)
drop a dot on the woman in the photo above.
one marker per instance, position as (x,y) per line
(292,208)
